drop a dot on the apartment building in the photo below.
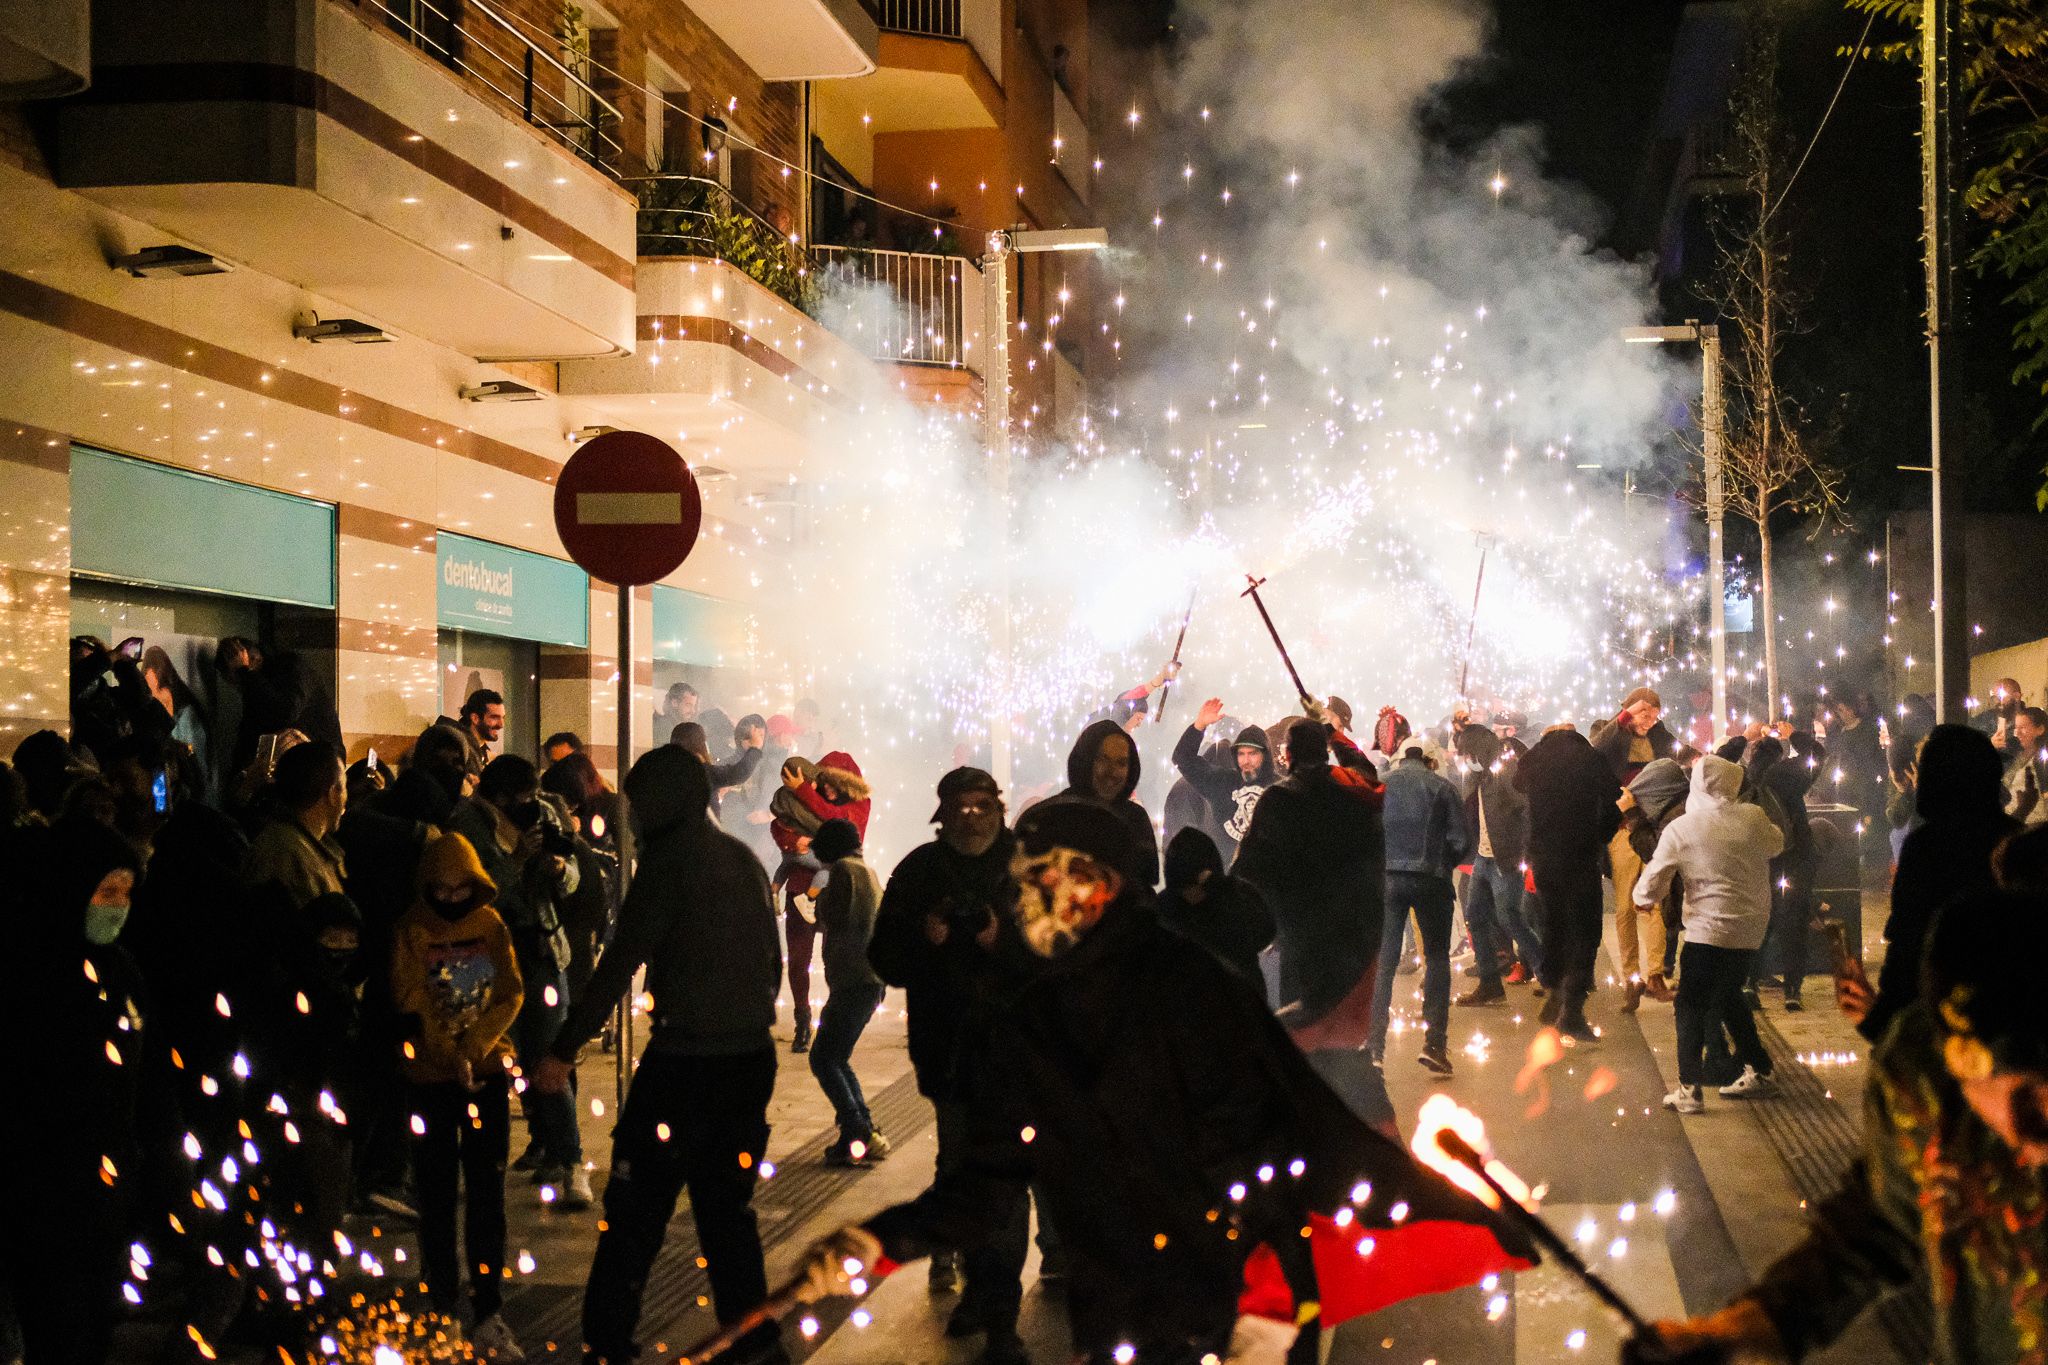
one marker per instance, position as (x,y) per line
(535,219)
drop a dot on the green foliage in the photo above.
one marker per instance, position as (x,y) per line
(686,215)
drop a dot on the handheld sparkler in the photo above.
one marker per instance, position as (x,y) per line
(782,1301)
(1159,712)
(1300,688)
(1463,1152)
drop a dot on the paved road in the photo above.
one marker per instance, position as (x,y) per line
(1679,1213)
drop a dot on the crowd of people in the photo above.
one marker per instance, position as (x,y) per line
(305,988)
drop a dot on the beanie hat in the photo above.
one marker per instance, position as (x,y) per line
(834,840)
(1389,730)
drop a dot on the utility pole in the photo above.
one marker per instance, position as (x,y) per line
(995,416)
(1938,23)
(1713,415)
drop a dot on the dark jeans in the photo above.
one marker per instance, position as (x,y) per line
(840,1023)
(1791,911)
(1710,983)
(473,1150)
(801,939)
(995,1268)
(715,1109)
(1432,900)
(1574,911)
(1493,912)
(551,1119)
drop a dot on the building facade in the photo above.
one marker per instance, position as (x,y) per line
(546,219)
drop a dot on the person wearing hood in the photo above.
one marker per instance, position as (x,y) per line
(846,914)
(455,982)
(699,917)
(1945,1195)
(1426,840)
(1504,949)
(1182,1142)
(529,852)
(834,790)
(74,1174)
(1722,848)
(1103,770)
(1573,815)
(1630,742)
(1232,791)
(1316,852)
(936,937)
(1205,903)
(1960,799)
(1656,797)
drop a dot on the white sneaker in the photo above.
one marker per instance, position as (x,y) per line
(575,1195)
(491,1339)
(1748,1083)
(1685,1100)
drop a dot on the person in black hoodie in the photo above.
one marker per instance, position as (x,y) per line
(935,937)
(1317,854)
(1103,770)
(1573,814)
(73,1175)
(1174,1126)
(699,917)
(1231,791)
(280,691)
(1788,776)
(1221,912)
(1961,802)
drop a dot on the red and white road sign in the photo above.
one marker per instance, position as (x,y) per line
(627,508)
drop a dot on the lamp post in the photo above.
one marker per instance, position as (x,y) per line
(995,411)
(1712,417)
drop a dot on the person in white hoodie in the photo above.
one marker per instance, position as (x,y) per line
(1722,849)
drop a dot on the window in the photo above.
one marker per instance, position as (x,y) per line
(668,127)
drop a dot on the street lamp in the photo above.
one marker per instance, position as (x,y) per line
(1712,416)
(995,381)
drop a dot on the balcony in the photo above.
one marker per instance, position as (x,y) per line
(1071,152)
(424,164)
(731,374)
(915,308)
(940,66)
(795,40)
(688,215)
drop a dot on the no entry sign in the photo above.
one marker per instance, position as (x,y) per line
(627,509)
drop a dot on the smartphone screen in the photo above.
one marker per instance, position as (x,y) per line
(266,751)
(370,759)
(160,793)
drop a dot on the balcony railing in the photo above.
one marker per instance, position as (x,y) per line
(688,215)
(977,22)
(474,40)
(926,310)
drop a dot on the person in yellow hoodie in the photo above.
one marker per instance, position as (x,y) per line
(455,977)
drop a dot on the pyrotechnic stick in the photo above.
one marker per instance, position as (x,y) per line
(1466,1155)
(1472,626)
(1159,712)
(721,1341)
(1300,688)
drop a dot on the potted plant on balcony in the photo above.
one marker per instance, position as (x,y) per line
(682,214)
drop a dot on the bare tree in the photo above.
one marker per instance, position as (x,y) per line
(1772,451)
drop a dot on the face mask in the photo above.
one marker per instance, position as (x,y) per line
(449,910)
(1061,895)
(103,923)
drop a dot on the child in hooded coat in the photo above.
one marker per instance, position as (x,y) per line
(454,972)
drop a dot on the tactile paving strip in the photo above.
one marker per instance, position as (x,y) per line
(1818,1141)
(549,1317)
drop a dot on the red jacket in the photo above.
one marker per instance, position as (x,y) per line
(843,773)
